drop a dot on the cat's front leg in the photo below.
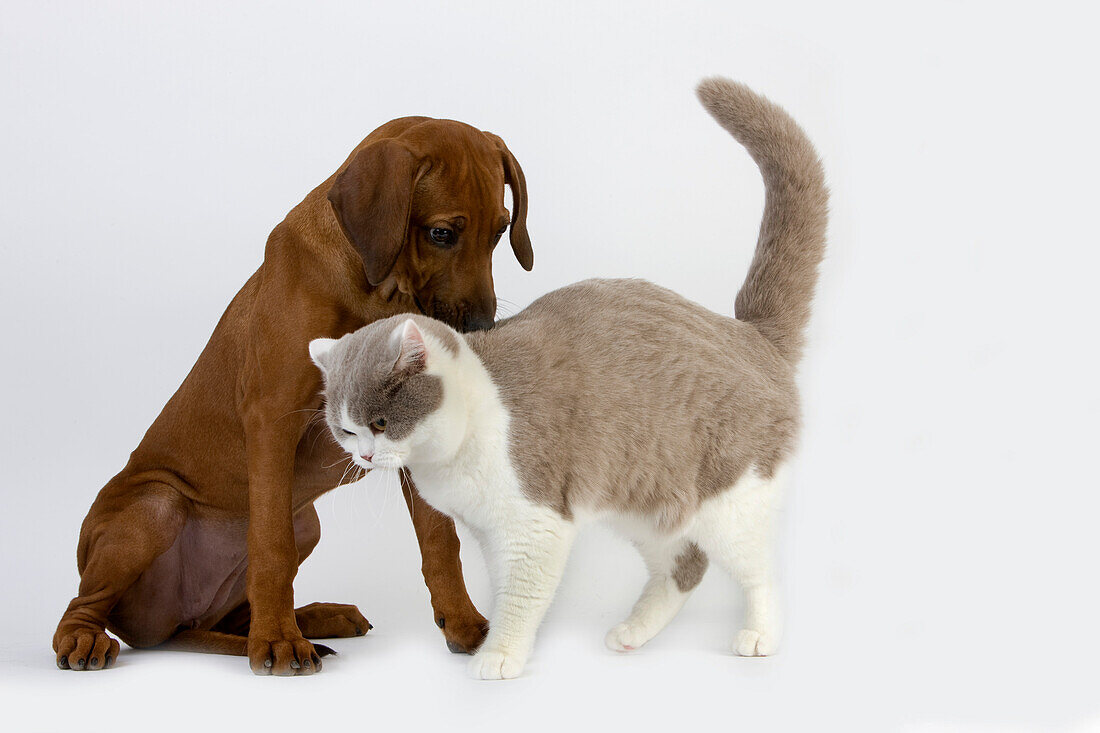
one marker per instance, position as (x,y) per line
(526,561)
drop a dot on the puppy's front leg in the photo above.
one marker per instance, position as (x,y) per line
(276,383)
(461,624)
(526,560)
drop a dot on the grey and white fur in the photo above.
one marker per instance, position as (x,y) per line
(608,399)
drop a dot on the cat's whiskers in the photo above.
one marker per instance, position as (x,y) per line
(315,410)
(405,472)
(337,461)
(317,437)
(387,488)
(351,464)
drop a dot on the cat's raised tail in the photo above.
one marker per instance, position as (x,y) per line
(777,291)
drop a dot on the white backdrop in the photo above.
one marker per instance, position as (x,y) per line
(940,539)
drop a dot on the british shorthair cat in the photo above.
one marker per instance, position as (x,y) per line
(608,399)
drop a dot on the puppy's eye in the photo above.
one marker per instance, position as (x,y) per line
(500,233)
(441,236)
(379,425)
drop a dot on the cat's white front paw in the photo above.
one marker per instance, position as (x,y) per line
(750,643)
(625,638)
(492,665)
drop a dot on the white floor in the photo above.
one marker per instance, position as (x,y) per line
(866,648)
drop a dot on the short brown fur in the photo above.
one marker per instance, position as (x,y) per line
(236,458)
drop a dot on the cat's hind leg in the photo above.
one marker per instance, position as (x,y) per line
(676,565)
(735,529)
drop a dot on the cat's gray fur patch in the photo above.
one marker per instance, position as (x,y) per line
(360,374)
(691,565)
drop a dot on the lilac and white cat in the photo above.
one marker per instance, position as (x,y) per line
(608,399)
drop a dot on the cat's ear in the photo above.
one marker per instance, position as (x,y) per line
(319,350)
(413,355)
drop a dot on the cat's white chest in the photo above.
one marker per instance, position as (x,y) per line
(475,488)
(450,492)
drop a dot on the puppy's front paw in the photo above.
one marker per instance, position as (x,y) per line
(286,655)
(464,633)
(750,643)
(83,648)
(490,665)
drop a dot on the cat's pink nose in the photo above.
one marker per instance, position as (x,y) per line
(366,456)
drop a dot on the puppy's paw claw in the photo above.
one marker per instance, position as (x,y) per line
(85,649)
(284,657)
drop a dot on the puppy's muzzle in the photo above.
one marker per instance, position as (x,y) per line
(471,322)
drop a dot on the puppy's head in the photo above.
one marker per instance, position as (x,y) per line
(424,205)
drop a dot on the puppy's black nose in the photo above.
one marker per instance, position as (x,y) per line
(477,323)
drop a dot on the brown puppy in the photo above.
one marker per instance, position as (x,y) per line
(197,541)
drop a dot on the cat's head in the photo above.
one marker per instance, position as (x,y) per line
(386,400)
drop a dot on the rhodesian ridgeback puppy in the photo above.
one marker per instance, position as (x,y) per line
(195,544)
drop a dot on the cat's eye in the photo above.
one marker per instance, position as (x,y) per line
(442,236)
(348,433)
(379,425)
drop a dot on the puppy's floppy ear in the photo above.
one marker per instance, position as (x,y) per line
(372,199)
(513,176)
(319,350)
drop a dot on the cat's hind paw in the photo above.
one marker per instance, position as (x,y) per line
(625,638)
(489,665)
(750,643)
